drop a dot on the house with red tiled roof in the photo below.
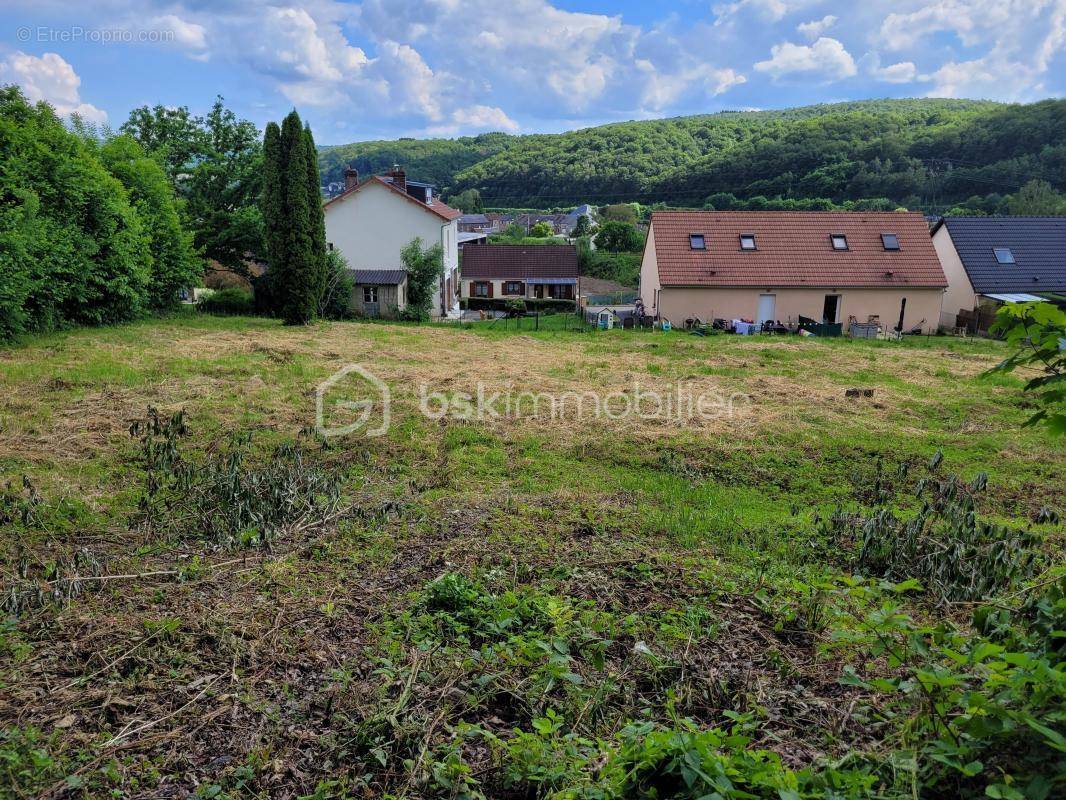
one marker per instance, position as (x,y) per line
(520,271)
(779,266)
(372,220)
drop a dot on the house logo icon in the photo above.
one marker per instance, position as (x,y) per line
(353,399)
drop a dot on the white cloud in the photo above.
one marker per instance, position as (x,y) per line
(770,10)
(186,34)
(815,28)
(903,72)
(900,72)
(661,90)
(826,58)
(1020,40)
(49,78)
(484,118)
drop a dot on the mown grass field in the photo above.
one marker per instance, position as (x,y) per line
(503,607)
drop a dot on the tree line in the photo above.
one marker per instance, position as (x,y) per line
(934,155)
(102,226)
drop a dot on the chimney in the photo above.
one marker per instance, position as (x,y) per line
(399,178)
(351,178)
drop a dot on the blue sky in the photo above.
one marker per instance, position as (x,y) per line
(387,68)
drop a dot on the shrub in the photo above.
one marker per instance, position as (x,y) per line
(943,543)
(619,237)
(230,302)
(74,250)
(227,500)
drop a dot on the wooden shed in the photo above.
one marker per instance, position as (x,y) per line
(379,292)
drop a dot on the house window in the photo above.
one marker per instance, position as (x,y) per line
(513,287)
(747,241)
(370,294)
(1003,255)
(696,242)
(481,289)
(890,241)
(561,291)
(840,241)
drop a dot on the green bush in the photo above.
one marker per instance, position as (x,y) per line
(73,250)
(231,302)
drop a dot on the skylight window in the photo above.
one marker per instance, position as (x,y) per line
(696,241)
(840,241)
(747,241)
(1003,255)
(890,241)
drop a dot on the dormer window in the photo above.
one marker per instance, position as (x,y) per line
(890,241)
(747,241)
(1003,255)
(839,240)
(696,241)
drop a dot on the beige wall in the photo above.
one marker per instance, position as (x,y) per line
(372,226)
(498,293)
(649,275)
(923,305)
(960,295)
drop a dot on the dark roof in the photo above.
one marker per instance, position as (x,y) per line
(473,218)
(1038,245)
(443,211)
(381,277)
(793,248)
(519,261)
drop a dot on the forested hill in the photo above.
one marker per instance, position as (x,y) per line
(927,154)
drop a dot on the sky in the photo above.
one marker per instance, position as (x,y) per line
(381,69)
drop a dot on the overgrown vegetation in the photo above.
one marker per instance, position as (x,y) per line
(766,606)
(1037,333)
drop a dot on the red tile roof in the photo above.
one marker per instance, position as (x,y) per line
(443,211)
(519,261)
(794,249)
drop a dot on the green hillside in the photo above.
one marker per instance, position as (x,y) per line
(928,154)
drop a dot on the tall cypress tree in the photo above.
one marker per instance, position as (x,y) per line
(292,211)
(273,221)
(318,216)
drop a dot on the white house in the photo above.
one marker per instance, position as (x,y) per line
(371,222)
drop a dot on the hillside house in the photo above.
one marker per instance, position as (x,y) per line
(373,220)
(506,271)
(782,265)
(474,223)
(989,261)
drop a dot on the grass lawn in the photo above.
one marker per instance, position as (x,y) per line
(503,607)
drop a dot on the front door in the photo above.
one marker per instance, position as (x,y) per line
(767,306)
(831,308)
(370,301)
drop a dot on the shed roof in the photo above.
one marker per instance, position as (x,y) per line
(794,249)
(1037,244)
(520,262)
(380,277)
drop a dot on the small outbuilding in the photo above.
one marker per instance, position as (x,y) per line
(379,292)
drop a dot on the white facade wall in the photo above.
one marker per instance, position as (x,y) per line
(371,226)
